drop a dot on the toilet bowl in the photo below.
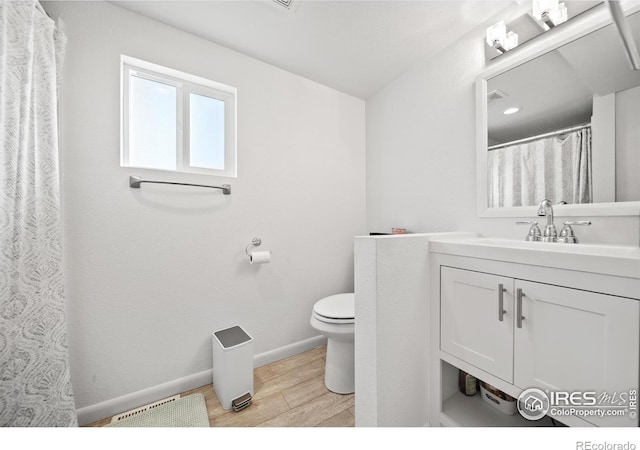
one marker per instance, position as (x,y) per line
(334,317)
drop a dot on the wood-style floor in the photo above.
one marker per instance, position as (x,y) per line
(288,393)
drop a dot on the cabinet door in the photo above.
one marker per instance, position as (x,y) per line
(572,340)
(473,326)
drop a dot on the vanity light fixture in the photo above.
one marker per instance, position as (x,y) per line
(498,38)
(509,111)
(550,12)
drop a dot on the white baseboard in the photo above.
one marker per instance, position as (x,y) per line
(288,350)
(108,408)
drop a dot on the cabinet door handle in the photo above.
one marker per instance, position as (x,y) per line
(519,316)
(501,310)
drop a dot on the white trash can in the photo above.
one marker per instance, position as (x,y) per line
(233,367)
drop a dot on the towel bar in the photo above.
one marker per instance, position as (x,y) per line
(135,182)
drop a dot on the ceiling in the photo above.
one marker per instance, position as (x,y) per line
(354,46)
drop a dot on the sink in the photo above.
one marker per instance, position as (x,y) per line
(606,259)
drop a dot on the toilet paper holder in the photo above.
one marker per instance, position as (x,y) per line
(255,242)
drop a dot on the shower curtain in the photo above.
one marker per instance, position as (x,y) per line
(556,167)
(35,386)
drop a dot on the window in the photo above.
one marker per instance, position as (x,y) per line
(175,121)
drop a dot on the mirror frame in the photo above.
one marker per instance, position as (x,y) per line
(582,25)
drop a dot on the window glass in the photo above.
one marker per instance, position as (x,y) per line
(175,121)
(152,124)
(206,132)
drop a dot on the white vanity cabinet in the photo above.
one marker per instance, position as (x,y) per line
(519,326)
(539,335)
(472,327)
(571,340)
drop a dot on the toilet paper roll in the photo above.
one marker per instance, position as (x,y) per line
(260,257)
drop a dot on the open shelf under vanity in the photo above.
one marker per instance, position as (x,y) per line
(459,410)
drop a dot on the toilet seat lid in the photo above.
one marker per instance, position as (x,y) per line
(340,306)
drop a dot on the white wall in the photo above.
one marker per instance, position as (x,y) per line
(150,273)
(421,154)
(392,288)
(628,145)
(603,148)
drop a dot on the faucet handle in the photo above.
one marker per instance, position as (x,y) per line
(566,235)
(576,222)
(534,234)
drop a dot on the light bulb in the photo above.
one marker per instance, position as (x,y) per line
(497,34)
(559,15)
(540,7)
(511,40)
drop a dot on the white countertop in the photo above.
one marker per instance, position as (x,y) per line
(621,261)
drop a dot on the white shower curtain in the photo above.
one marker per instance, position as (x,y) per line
(35,386)
(557,168)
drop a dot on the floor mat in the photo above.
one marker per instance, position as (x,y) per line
(189,411)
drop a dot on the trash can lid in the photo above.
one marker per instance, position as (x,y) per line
(231,337)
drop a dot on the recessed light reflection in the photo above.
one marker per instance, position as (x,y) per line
(511,111)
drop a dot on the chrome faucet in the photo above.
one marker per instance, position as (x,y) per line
(550,233)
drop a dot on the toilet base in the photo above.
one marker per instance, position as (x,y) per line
(339,374)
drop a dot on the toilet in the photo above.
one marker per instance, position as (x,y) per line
(334,317)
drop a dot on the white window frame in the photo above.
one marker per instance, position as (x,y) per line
(185,85)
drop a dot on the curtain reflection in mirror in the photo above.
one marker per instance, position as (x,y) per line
(556,167)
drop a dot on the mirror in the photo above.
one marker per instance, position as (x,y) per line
(575,137)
